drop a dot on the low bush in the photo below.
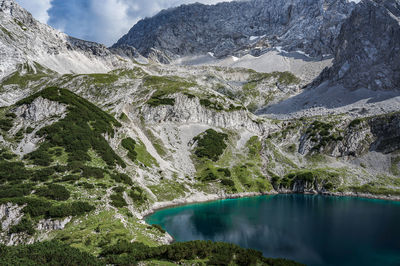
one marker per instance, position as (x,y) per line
(122,178)
(211,105)
(13,171)
(125,253)
(15,191)
(92,172)
(6,124)
(158,227)
(54,192)
(210,144)
(225,171)
(25,225)
(86,185)
(138,195)
(155,101)
(228,182)
(43,174)
(69,209)
(117,199)
(129,145)
(46,253)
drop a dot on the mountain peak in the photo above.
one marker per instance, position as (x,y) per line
(24,39)
(231,28)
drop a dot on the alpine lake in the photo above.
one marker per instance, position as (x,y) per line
(311,229)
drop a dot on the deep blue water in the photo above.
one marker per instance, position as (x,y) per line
(315,230)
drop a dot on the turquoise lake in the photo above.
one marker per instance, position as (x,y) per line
(315,230)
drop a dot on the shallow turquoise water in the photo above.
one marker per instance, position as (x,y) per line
(316,230)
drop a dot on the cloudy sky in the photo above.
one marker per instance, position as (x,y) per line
(103,21)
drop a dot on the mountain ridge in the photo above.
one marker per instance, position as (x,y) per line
(231,28)
(24,39)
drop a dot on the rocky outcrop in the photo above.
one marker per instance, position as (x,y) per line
(386,130)
(10,214)
(36,115)
(189,110)
(40,109)
(354,142)
(47,225)
(376,134)
(241,27)
(368,50)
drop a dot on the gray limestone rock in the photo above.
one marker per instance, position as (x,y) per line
(237,27)
(368,50)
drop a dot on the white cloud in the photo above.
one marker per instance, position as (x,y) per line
(38,8)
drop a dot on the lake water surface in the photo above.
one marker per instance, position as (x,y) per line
(315,230)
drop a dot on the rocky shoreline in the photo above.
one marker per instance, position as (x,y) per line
(213,197)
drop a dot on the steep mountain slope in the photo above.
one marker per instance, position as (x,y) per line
(369,57)
(365,76)
(238,28)
(24,39)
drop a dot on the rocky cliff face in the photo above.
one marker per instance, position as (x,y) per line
(189,110)
(240,27)
(368,50)
(24,39)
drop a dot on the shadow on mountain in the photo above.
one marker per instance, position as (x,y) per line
(331,97)
(304,57)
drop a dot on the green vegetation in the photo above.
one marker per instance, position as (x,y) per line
(210,144)
(143,156)
(213,253)
(15,190)
(20,24)
(138,195)
(69,209)
(103,78)
(286,78)
(46,253)
(117,198)
(13,171)
(37,207)
(6,124)
(375,189)
(165,86)
(78,132)
(122,178)
(212,105)
(322,133)
(158,227)
(157,143)
(6,32)
(156,101)
(394,168)
(310,179)
(94,232)
(125,253)
(168,190)
(31,73)
(235,171)
(54,192)
(355,123)
(25,225)
(129,145)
